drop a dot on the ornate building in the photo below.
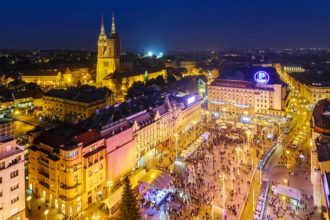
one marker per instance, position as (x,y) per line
(108,53)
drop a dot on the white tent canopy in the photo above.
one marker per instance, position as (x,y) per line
(288,191)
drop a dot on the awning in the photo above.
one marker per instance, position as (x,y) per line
(288,191)
(157,178)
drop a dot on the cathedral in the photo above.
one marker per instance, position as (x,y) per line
(116,74)
(108,53)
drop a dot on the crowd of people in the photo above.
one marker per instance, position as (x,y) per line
(201,186)
(282,208)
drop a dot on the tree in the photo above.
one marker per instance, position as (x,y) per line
(128,209)
(137,89)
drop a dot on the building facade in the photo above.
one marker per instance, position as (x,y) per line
(12,175)
(309,84)
(52,78)
(70,176)
(75,103)
(243,97)
(320,154)
(72,169)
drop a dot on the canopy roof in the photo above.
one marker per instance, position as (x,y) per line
(288,191)
(156,178)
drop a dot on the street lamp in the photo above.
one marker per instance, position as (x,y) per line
(285,181)
(238,150)
(232,177)
(194,123)
(46,213)
(28,199)
(223,178)
(176,145)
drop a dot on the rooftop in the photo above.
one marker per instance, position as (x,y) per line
(246,74)
(86,94)
(133,71)
(88,137)
(59,137)
(313,77)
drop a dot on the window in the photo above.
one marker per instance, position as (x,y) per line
(71,154)
(14,187)
(14,174)
(15,199)
(2,165)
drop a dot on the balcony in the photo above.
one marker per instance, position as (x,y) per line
(45,174)
(13,162)
(64,186)
(44,184)
(43,162)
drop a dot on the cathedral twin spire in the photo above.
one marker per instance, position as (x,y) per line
(113,26)
(103,35)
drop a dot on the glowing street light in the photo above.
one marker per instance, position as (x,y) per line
(176,145)
(238,150)
(28,199)
(286,181)
(232,177)
(223,178)
(46,213)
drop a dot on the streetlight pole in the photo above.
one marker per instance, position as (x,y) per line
(176,145)
(223,178)
(46,213)
(29,201)
(238,150)
(232,177)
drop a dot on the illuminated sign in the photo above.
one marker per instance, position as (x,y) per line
(191,100)
(261,77)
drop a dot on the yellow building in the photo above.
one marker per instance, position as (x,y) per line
(73,169)
(75,103)
(50,78)
(70,173)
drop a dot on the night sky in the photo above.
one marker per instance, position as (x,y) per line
(166,24)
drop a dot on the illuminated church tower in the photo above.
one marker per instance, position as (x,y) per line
(108,52)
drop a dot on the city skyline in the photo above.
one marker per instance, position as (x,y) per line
(161,26)
(159,110)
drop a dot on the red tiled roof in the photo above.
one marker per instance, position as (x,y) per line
(88,137)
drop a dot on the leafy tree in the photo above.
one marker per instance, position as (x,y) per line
(137,89)
(128,209)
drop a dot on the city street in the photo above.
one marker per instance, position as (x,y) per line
(219,173)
